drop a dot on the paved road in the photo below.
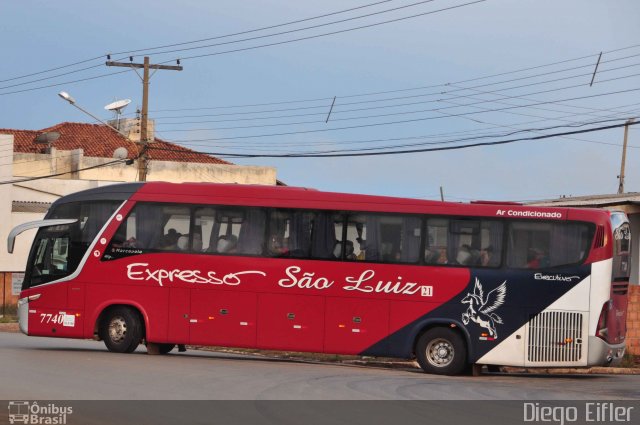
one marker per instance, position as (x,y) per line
(46,368)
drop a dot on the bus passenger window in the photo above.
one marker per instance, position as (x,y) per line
(464,242)
(290,233)
(538,245)
(150,228)
(437,241)
(229,230)
(326,235)
(383,238)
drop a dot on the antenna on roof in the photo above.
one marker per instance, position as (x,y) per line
(117,108)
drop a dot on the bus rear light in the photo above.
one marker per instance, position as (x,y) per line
(602,331)
(599,239)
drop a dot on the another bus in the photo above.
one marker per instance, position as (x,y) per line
(284,268)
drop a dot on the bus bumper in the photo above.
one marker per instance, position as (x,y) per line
(603,354)
(23,315)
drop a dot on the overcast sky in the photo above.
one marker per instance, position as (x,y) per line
(441,51)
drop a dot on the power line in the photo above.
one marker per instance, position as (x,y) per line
(419,88)
(148,49)
(189,42)
(402,121)
(328,33)
(480,131)
(294,30)
(511,133)
(407,151)
(439,110)
(255,47)
(437,93)
(64,83)
(483,101)
(51,69)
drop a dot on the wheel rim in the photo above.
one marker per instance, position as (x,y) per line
(117,329)
(440,352)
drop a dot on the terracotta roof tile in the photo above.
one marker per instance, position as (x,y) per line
(100,141)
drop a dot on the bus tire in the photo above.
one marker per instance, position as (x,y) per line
(165,348)
(441,351)
(121,330)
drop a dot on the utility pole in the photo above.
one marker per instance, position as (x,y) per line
(144,138)
(624,155)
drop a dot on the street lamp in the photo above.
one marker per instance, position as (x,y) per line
(66,96)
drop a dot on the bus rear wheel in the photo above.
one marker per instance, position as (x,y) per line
(121,330)
(441,351)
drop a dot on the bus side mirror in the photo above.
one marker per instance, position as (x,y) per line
(11,239)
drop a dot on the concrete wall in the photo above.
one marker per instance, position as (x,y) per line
(6,160)
(28,165)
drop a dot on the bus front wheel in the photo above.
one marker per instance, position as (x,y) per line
(441,351)
(121,330)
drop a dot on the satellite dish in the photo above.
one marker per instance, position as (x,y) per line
(47,138)
(118,105)
(120,153)
(117,108)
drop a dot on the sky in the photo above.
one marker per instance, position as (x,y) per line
(474,71)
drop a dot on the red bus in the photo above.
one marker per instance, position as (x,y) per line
(285,268)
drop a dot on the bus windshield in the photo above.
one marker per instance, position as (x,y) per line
(57,250)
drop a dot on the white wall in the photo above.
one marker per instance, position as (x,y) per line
(30,164)
(6,174)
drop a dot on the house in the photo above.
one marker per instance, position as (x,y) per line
(39,166)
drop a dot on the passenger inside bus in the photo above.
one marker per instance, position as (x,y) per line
(464,256)
(536,259)
(169,241)
(183,243)
(278,246)
(349,250)
(227,244)
(362,255)
(486,257)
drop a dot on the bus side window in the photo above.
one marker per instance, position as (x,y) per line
(290,233)
(538,245)
(463,242)
(231,230)
(151,227)
(387,238)
(326,235)
(207,229)
(437,241)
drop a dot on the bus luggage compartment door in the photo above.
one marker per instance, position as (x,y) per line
(352,325)
(223,317)
(291,322)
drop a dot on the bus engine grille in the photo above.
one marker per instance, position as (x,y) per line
(555,336)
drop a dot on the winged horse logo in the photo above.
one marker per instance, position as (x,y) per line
(481,309)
